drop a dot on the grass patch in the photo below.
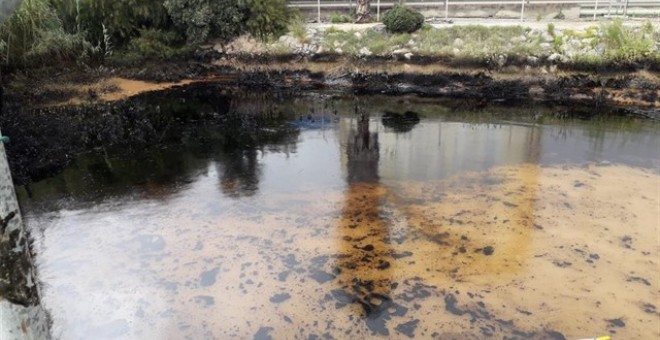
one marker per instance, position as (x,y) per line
(298,29)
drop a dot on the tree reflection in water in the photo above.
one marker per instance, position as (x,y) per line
(365,279)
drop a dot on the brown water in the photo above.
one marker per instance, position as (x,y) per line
(464,225)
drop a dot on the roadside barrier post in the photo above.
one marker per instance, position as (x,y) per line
(595,9)
(378,11)
(446,10)
(522,11)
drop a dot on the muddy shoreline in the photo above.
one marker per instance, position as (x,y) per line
(84,111)
(634,85)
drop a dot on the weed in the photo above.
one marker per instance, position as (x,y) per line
(298,29)
(339,18)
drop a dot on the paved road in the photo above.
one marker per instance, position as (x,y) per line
(543,24)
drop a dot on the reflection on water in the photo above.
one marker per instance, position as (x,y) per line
(372,221)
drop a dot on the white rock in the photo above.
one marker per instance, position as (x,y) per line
(358,35)
(545,46)
(547,37)
(338,51)
(408,55)
(554,56)
(337,43)
(401,51)
(501,60)
(380,28)
(458,42)
(456,51)
(365,51)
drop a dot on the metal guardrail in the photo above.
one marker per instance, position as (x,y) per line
(620,6)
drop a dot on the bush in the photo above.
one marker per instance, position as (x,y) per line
(122,18)
(624,44)
(267,18)
(205,19)
(339,19)
(155,44)
(33,31)
(298,29)
(401,19)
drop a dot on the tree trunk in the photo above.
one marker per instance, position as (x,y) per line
(362,14)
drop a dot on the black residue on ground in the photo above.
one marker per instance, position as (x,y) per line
(561,263)
(321,276)
(279,298)
(343,297)
(489,325)
(649,308)
(263,334)
(209,277)
(408,328)
(320,260)
(401,255)
(618,322)
(205,300)
(509,204)
(626,241)
(282,276)
(638,279)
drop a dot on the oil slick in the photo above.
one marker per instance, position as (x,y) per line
(504,249)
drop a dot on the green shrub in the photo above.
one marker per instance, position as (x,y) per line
(155,44)
(33,31)
(551,29)
(96,54)
(624,44)
(339,18)
(267,18)
(298,29)
(122,18)
(401,19)
(205,19)
(56,45)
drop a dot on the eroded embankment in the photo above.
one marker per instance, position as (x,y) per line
(635,90)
